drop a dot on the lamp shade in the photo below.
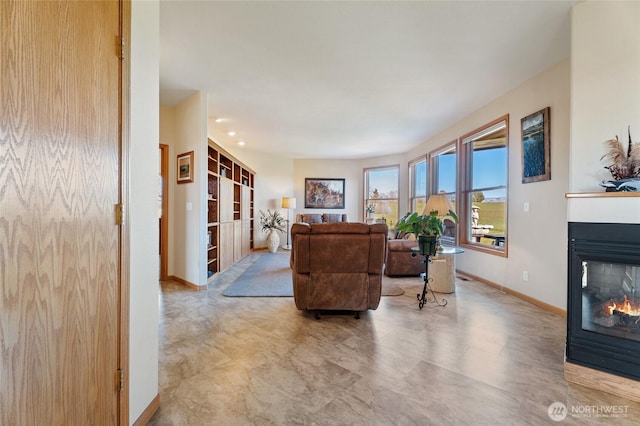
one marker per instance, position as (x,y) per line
(288,203)
(383,208)
(438,203)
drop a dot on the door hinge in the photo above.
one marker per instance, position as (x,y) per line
(119,214)
(120,376)
(120,48)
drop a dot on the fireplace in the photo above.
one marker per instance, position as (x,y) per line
(603,311)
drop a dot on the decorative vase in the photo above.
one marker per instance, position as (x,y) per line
(273,241)
(427,244)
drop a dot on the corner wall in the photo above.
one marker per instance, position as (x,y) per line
(184,129)
(605,85)
(143,207)
(605,99)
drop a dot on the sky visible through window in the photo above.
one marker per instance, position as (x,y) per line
(489,170)
(385,181)
(421,179)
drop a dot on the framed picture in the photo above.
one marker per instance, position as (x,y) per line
(536,155)
(185,167)
(323,193)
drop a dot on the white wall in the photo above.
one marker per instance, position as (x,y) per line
(143,207)
(605,85)
(605,99)
(337,169)
(184,129)
(537,239)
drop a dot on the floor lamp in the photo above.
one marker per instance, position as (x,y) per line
(288,203)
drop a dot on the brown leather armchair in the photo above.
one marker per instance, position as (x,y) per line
(337,266)
(401,261)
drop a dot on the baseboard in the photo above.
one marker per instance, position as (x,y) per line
(148,412)
(186,283)
(528,299)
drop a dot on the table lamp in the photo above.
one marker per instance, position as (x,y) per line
(383,208)
(440,204)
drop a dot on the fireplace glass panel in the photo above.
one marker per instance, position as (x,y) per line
(611,299)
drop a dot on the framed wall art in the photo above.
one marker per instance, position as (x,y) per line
(536,153)
(323,193)
(185,167)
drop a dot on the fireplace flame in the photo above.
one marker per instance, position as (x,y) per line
(625,307)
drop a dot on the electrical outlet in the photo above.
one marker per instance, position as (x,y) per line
(525,275)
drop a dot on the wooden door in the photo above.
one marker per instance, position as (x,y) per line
(237,240)
(225,201)
(59,184)
(225,252)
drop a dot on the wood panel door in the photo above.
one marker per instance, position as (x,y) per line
(60,178)
(225,201)
(237,240)
(225,252)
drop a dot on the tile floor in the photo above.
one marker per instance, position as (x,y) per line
(487,358)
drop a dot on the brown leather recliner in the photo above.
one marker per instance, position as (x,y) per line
(401,261)
(337,266)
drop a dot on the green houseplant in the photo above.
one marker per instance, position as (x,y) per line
(427,229)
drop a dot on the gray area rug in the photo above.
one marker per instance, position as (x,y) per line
(270,276)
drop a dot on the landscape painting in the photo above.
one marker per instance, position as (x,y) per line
(323,193)
(536,156)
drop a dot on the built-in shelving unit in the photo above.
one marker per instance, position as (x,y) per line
(230,210)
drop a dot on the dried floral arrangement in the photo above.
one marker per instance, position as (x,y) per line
(624,165)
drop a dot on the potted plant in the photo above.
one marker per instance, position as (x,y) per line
(426,228)
(272,222)
(370,209)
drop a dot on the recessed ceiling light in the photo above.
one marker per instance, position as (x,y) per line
(231,133)
(241,143)
(219,120)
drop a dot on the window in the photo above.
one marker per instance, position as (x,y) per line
(418,184)
(444,171)
(483,201)
(381,191)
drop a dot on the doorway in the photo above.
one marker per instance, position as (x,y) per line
(163,210)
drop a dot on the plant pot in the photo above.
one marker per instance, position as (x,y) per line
(427,244)
(273,241)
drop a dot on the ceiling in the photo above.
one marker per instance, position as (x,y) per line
(352,79)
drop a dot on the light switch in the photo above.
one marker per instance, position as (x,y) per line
(189,206)
(526,206)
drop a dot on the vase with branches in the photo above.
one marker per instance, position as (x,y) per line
(272,222)
(623,165)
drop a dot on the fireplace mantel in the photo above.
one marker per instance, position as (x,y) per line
(610,207)
(601,194)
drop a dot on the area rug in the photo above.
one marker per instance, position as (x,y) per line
(270,276)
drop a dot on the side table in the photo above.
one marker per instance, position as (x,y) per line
(424,297)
